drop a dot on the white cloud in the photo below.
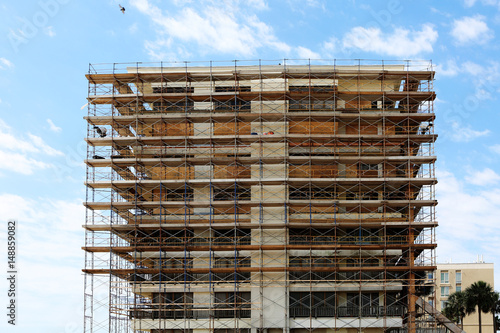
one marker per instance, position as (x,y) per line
(53,127)
(43,147)
(490,71)
(468,220)
(9,141)
(400,43)
(182,2)
(440,12)
(486,78)
(450,68)
(483,178)
(314,3)
(145,7)
(471,30)
(331,47)
(4,63)
(299,5)
(483,75)
(164,49)
(62,214)
(305,53)
(218,27)
(17,152)
(473,69)
(469,3)
(20,163)
(50,259)
(258,4)
(495,148)
(460,133)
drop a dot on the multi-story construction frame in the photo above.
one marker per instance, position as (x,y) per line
(258,196)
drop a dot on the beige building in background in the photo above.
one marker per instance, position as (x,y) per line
(457,277)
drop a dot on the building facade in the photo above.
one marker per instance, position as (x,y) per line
(451,278)
(259,198)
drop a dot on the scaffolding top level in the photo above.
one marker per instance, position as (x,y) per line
(269,66)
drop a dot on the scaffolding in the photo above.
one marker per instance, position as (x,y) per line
(253,196)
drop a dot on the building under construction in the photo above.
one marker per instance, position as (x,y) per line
(259,197)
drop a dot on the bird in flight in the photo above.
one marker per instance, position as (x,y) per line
(122,8)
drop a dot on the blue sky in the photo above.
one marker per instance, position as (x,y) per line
(45,49)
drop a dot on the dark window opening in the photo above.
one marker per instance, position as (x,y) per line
(173,90)
(178,106)
(232,305)
(232,237)
(311,236)
(232,193)
(162,237)
(180,194)
(306,193)
(313,88)
(312,304)
(232,88)
(165,306)
(226,262)
(306,104)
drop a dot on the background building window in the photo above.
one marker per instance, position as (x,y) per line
(445,291)
(444,277)
(458,277)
